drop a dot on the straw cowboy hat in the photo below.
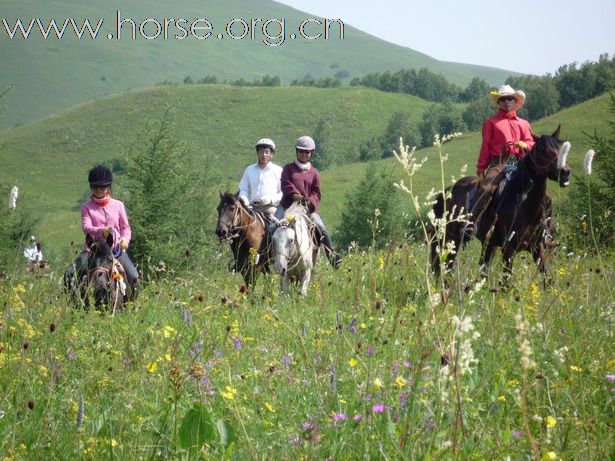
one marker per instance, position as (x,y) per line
(507,90)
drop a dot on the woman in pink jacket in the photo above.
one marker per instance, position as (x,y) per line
(101,216)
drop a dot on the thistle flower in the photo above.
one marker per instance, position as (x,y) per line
(379,408)
(587,162)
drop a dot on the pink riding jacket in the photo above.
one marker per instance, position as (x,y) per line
(95,217)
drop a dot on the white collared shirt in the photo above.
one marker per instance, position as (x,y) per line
(261,185)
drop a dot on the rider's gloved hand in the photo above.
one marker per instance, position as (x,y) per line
(106,231)
(123,244)
(521,145)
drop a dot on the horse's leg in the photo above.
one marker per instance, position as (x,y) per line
(305,281)
(486,256)
(508,253)
(540,258)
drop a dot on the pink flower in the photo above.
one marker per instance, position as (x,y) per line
(610,378)
(339,417)
(357,418)
(379,408)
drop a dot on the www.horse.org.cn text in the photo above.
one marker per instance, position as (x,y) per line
(272,32)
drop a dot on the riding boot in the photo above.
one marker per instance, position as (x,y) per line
(334,258)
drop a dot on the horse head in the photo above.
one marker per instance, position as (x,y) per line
(100,270)
(228,213)
(284,244)
(549,158)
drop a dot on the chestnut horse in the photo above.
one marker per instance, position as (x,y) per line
(516,218)
(243,229)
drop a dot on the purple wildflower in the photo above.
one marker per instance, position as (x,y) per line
(407,364)
(610,378)
(70,356)
(403,399)
(370,351)
(379,408)
(237,344)
(613,390)
(287,360)
(357,418)
(339,417)
(517,434)
(353,326)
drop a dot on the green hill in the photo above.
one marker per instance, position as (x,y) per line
(49,158)
(575,122)
(52,74)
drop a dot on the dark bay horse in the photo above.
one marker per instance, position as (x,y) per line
(244,229)
(106,281)
(516,218)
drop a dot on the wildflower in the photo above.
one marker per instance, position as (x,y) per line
(401,382)
(502,398)
(550,422)
(587,162)
(168,331)
(379,408)
(152,367)
(381,263)
(237,344)
(229,393)
(377,383)
(610,378)
(575,369)
(269,408)
(339,417)
(357,418)
(550,456)
(353,362)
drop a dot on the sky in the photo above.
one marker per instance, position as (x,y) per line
(527,36)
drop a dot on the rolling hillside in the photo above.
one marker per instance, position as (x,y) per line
(48,159)
(50,75)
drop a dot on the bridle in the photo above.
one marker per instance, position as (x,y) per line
(236,225)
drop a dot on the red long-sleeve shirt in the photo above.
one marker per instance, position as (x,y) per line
(303,182)
(500,132)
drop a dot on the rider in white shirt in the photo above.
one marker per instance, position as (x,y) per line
(259,186)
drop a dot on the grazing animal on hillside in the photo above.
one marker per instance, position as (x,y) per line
(515,218)
(294,251)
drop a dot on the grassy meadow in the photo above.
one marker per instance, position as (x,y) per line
(379,361)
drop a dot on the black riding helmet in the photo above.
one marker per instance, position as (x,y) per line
(100,176)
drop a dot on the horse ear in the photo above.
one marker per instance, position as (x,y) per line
(556,132)
(109,239)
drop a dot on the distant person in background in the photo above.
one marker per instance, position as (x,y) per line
(301,182)
(13,198)
(32,252)
(101,216)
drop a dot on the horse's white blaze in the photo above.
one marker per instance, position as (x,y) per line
(293,249)
(562,156)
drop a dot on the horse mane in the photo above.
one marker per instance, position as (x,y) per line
(233,199)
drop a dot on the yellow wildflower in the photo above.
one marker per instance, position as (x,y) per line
(502,398)
(381,263)
(551,422)
(19,289)
(576,369)
(353,362)
(550,456)
(377,383)
(168,331)
(269,408)
(152,367)
(401,382)
(229,393)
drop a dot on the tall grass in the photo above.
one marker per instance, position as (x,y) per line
(379,361)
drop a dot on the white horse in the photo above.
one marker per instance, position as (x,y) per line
(293,248)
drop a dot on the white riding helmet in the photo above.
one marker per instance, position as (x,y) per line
(265,142)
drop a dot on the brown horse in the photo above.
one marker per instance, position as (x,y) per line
(516,218)
(243,229)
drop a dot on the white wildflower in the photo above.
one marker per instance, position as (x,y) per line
(560,354)
(527,362)
(13,197)
(587,162)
